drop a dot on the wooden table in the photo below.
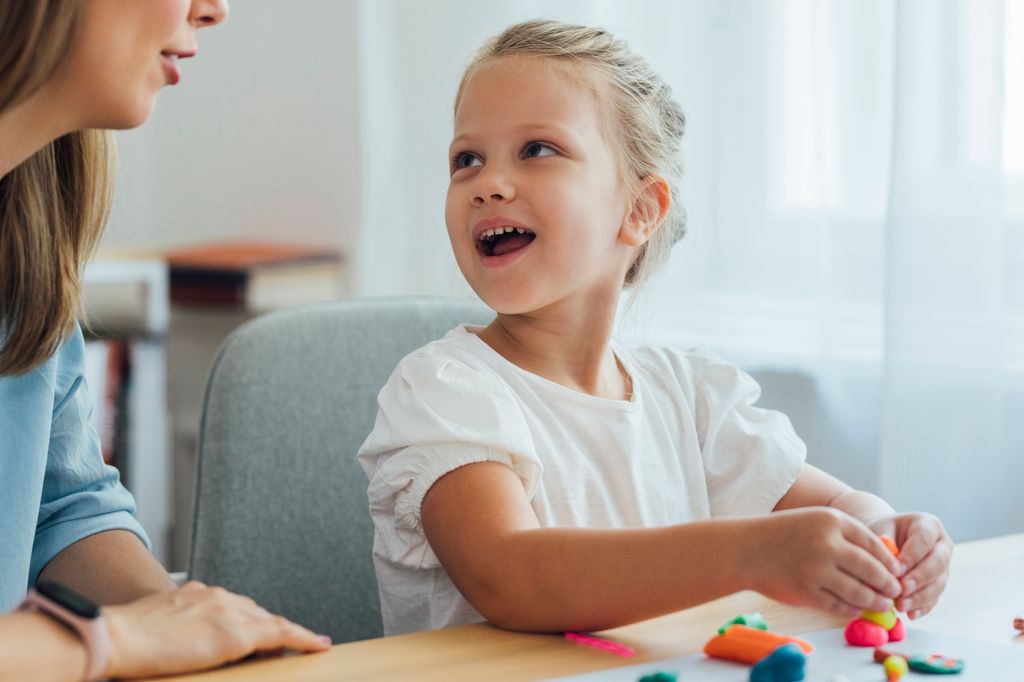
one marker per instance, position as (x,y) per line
(985,591)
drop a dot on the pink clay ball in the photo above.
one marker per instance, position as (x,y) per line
(860,632)
(898,631)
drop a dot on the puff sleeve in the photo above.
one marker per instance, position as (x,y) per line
(751,455)
(436,414)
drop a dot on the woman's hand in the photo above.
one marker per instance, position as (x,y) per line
(196,627)
(823,558)
(925,551)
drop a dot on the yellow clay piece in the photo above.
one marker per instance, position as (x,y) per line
(887,619)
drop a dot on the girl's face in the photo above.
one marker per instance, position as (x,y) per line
(123,53)
(530,159)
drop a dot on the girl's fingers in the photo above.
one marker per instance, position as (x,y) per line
(928,570)
(863,537)
(856,593)
(922,535)
(864,568)
(833,603)
(926,597)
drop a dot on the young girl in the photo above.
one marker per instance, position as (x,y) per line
(539,475)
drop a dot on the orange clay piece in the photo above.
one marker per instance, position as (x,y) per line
(890,545)
(749,645)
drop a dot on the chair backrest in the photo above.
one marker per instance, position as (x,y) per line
(281,512)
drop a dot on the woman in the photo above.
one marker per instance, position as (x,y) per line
(70,70)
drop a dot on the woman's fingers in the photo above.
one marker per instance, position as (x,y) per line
(276,632)
(197,627)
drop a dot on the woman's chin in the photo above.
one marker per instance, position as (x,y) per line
(125,116)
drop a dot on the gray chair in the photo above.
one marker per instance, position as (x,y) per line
(281,508)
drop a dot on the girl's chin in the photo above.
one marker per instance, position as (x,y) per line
(508,304)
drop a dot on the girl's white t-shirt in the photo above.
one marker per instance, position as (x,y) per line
(689,445)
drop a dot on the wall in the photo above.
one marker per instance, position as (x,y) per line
(259,139)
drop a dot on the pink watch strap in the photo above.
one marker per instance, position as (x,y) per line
(92,631)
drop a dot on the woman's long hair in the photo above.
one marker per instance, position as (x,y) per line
(53,206)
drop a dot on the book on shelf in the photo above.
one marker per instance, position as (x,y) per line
(108,378)
(255,276)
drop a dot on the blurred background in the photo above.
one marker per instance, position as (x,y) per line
(854,184)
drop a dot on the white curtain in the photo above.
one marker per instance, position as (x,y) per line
(855,190)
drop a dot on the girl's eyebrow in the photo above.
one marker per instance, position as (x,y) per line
(523,130)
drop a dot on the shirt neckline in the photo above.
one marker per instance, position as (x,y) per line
(498,358)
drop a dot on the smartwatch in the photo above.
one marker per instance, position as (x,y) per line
(80,615)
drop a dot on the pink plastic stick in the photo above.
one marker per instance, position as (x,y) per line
(600,643)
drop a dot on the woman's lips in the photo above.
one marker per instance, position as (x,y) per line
(171,70)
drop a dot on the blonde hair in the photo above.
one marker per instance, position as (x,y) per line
(649,121)
(53,206)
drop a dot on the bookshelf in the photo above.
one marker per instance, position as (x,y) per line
(155,322)
(126,318)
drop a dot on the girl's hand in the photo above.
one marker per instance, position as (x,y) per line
(196,627)
(925,550)
(823,558)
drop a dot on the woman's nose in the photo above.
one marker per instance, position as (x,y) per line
(208,12)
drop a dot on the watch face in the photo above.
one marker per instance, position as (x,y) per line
(69,599)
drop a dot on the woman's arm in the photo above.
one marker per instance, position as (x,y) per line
(192,628)
(33,646)
(520,576)
(112,567)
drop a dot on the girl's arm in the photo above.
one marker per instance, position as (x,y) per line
(815,488)
(520,576)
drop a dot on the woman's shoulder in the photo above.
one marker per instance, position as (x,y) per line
(65,366)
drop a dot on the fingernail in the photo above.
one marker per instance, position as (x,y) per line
(901,569)
(915,615)
(909,584)
(323,639)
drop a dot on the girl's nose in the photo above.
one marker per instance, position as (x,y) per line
(492,187)
(208,12)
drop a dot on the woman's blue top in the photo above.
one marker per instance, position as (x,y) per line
(54,487)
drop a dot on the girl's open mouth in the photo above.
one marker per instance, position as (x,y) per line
(503,240)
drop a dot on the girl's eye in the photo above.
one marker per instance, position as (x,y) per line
(537,149)
(465,160)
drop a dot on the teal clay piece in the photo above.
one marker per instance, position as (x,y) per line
(751,620)
(936,664)
(658,677)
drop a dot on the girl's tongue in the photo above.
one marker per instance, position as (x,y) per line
(509,242)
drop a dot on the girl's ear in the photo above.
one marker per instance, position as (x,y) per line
(650,206)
